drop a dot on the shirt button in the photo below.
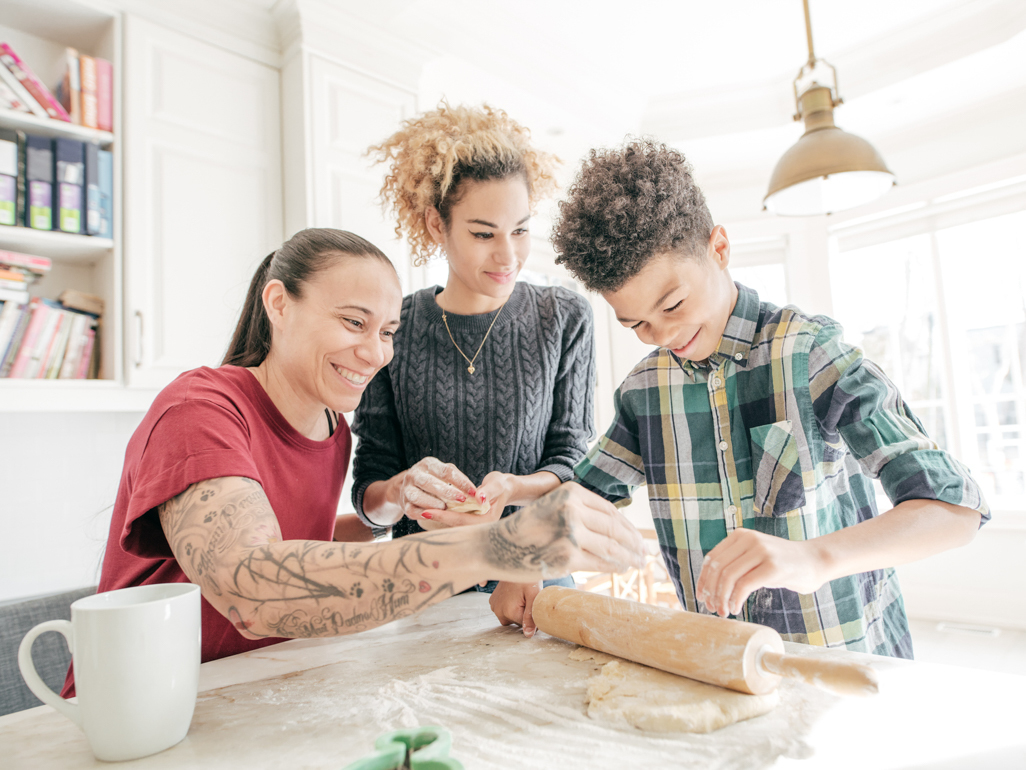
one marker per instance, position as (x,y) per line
(723,446)
(716,382)
(738,356)
(732,510)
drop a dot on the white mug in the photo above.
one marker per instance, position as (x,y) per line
(136,653)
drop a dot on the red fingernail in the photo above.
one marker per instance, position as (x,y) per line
(463,498)
(473,492)
(426,516)
(483,497)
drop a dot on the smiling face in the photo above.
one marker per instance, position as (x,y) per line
(330,342)
(486,240)
(680,303)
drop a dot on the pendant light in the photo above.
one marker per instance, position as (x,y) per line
(828,169)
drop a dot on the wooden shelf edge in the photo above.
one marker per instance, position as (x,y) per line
(58,246)
(24,121)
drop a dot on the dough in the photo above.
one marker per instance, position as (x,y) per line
(649,699)
(473,505)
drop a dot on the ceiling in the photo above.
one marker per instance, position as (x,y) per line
(714,78)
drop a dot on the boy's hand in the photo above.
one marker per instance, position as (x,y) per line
(512,603)
(746,561)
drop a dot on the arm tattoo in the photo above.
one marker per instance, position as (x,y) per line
(227,540)
(547,549)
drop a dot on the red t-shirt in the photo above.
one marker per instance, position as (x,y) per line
(207,424)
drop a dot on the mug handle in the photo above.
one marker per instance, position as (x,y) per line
(28,669)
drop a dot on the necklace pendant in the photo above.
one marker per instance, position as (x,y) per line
(470,368)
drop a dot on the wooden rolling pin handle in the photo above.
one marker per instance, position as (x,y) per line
(839,677)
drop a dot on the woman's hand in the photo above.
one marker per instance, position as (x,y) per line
(568,530)
(746,561)
(497,488)
(429,486)
(512,604)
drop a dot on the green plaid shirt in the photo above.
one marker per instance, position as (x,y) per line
(780,431)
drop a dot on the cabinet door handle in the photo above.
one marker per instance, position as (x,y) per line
(138,339)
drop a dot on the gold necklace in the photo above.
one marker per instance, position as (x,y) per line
(470,361)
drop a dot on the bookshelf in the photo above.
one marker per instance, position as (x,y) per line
(40,30)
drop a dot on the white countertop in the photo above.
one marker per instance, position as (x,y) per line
(512,702)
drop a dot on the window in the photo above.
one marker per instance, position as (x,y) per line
(943,312)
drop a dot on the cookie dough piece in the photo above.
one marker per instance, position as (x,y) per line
(628,693)
(472,505)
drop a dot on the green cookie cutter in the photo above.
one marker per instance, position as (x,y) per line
(416,748)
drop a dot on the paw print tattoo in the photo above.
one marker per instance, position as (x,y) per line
(357,590)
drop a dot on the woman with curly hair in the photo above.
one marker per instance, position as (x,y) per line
(488,402)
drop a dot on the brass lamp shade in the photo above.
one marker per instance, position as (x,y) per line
(828,169)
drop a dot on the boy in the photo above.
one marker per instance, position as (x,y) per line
(756,428)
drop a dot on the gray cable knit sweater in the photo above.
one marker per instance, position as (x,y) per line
(529,406)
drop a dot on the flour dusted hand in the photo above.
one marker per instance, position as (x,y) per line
(431,485)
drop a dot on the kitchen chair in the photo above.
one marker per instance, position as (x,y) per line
(50,653)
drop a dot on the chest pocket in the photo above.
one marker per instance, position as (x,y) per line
(779,487)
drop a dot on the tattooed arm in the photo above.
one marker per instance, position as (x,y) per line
(227,540)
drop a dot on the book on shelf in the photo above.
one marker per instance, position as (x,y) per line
(86,90)
(43,339)
(10,100)
(104,95)
(30,262)
(69,87)
(73,299)
(90,105)
(8,79)
(24,75)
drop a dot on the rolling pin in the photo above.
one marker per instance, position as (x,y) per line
(746,657)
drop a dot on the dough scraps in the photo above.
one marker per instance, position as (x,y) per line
(649,699)
(472,505)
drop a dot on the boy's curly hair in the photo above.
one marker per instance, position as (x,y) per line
(625,207)
(433,153)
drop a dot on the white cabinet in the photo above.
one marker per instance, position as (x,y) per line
(202,174)
(348,112)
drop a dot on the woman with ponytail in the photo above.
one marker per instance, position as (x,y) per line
(232,480)
(490,394)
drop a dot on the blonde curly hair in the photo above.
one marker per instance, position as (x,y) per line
(431,155)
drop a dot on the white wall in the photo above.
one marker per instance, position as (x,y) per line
(60,476)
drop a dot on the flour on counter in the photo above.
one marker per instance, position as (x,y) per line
(639,696)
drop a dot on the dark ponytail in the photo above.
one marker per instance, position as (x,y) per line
(300,258)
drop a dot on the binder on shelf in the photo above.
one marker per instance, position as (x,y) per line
(87,70)
(10,198)
(106,181)
(9,80)
(69,155)
(69,89)
(104,95)
(24,74)
(93,212)
(39,182)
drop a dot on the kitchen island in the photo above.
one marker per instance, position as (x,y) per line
(512,702)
